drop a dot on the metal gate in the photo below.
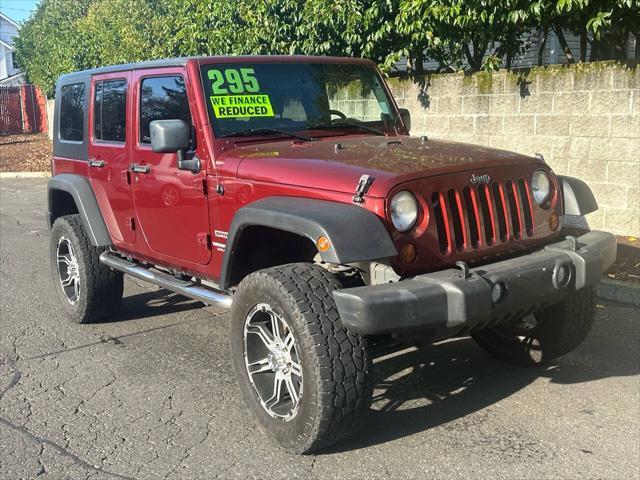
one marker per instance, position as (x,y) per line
(22,110)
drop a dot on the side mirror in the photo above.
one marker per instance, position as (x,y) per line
(172,136)
(406,118)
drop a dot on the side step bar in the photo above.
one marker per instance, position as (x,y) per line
(183,287)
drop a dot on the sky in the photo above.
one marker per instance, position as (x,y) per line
(18,10)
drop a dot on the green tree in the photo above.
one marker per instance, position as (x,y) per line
(480,32)
(48,43)
(122,31)
(359,28)
(604,24)
(68,35)
(229,27)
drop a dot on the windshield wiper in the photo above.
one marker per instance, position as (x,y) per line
(267,131)
(341,123)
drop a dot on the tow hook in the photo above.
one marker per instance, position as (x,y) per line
(573,243)
(361,188)
(464,269)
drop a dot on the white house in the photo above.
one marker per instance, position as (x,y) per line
(8,30)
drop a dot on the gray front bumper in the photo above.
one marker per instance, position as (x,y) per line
(446,299)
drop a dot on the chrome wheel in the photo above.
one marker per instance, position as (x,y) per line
(68,270)
(272,362)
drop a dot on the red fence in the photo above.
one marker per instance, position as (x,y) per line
(23,109)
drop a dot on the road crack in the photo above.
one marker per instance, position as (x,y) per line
(59,448)
(17,376)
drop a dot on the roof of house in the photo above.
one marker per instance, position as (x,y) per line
(7,19)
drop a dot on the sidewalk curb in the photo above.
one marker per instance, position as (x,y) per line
(617,291)
(25,174)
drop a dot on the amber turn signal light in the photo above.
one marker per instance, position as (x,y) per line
(554,221)
(408,253)
(323,244)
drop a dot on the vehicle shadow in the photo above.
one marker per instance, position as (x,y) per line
(153,304)
(431,386)
(134,307)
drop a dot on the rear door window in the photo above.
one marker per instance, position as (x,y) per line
(110,111)
(162,98)
(72,112)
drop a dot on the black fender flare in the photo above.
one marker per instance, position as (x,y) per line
(578,199)
(355,234)
(82,193)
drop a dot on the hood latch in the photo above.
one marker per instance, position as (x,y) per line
(361,189)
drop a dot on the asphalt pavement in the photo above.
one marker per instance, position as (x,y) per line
(152,393)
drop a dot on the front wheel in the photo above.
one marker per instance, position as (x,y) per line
(543,335)
(304,377)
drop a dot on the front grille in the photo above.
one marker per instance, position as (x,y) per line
(482,215)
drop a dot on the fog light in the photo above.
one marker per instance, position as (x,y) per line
(408,253)
(554,221)
(497,292)
(562,275)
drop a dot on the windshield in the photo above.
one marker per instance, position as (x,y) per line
(277,98)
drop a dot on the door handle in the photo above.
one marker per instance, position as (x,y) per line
(139,168)
(96,163)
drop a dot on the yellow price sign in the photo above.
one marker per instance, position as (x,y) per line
(241,106)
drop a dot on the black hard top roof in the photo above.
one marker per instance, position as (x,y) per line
(168,62)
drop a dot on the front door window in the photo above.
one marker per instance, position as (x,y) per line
(162,98)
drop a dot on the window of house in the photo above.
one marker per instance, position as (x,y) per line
(72,112)
(14,61)
(110,111)
(162,98)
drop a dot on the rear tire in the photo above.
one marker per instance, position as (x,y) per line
(331,366)
(557,330)
(88,291)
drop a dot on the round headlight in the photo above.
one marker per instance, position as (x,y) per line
(541,186)
(404,211)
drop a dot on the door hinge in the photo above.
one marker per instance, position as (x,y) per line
(204,241)
(131,223)
(200,184)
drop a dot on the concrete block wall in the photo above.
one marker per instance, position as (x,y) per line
(354,102)
(584,119)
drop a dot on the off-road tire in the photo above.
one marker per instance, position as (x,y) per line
(100,292)
(336,364)
(560,328)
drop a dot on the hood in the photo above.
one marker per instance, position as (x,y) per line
(336,164)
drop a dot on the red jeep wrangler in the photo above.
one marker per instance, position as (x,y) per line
(289,190)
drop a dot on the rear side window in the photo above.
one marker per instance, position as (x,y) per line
(72,112)
(110,111)
(162,98)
